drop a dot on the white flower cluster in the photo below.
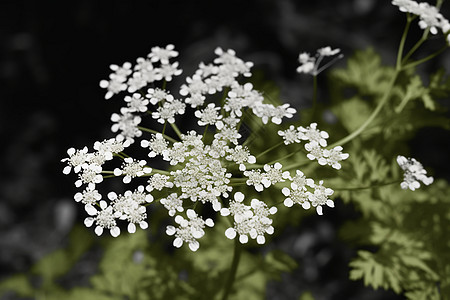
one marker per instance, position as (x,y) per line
(414,172)
(205,169)
(310,64)
(317,141)
(429,15)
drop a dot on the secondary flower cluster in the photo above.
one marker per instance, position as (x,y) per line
(317,141)
(203,169)
(414,172)
(310,64)
(428,14)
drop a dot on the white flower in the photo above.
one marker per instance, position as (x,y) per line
(274,174)
(89,175)
(116,84)
(111,146)
(327,51)
(290,136)
(334,156)
(240,155)
(162,54)
(257,179)
(172,203)
(250,220)
(311,133)
(209,116)
(88,196)
(136,103)
(315,152)
(158,182)
(310,64)
(165,113)
(414,172)
(320,197)
(132,168)
(127,123)
(77,160)
(296,196)
(229,134)
(158,145)
(157,95)
(105,218)
(189,230)
(170,70)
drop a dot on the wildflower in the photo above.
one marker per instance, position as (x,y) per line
(132,168)
(136,103)
(310,64)
(77,160)
(241,155)
(189,230)
(116,84)
(320,197)
(158,145)
(127,123)
(250,220)
(88,196)
(162,54)
(290,135)
(104,218)
(312,134)
(158,95)
(334,156)
(172,203)
(414,172)
(158,182)
(209,116)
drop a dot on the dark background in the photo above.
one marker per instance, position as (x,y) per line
(53,55)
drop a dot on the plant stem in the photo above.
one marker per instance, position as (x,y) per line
(374,114)
(233,270)
(402,42)
(420,61)
(269,149)
(366,187)
(155,132)
(175,128)
(314,104)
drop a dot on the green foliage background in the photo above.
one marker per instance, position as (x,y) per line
(401,236)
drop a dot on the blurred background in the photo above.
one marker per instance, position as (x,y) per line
(53,55)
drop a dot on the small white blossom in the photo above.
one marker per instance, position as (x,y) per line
(172,203)
(132,168)
(158,182)
(290,136)
(320,197)
(162,54)
(88,196)
(158,95)
(334,156)
(127,123)
(414,172)
(209,116)
(117,80)
(104,218)
(77,160)
(189,230)
(158,145)
(136,103)
(240,155)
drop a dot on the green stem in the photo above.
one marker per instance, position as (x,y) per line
(269,149)
(155,132)
(175,128)
(374,114)
(402,42)
(314,99)
(416,46)
(420,61)
(366,187)
(233,270)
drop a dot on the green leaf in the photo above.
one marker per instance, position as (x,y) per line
(19,284)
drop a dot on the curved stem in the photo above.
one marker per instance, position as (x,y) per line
(366,187)
(369,120)
(155,132)
(402,42)
(420,61)
(269,149)
(314,99)
(233,270)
